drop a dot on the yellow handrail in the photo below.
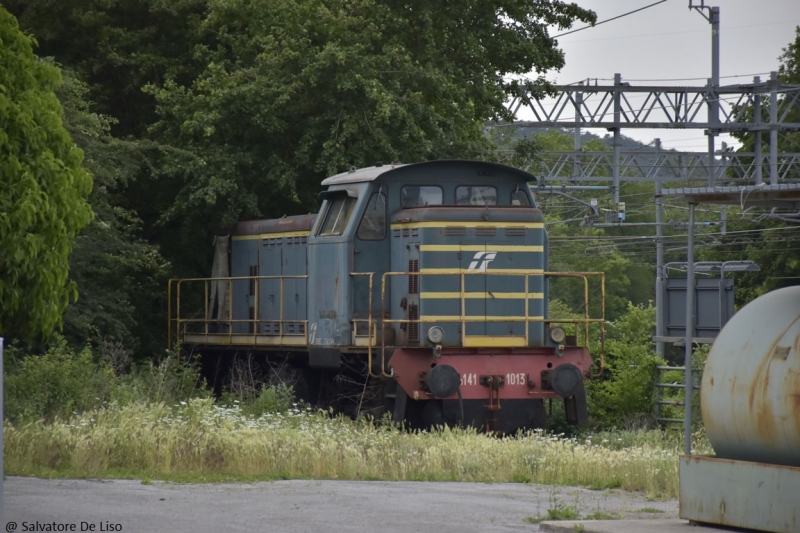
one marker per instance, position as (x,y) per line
(373,325)
(463,318)
(181,323)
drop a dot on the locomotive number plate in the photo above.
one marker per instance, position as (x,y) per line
(517,378)
(511,378)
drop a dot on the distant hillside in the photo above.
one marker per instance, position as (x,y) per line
(626,143)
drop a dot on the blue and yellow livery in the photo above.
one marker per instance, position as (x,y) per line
(432,276)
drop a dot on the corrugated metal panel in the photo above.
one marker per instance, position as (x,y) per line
(740,494)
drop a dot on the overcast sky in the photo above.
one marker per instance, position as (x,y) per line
(667,43)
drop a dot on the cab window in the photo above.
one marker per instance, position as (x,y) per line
(520,197)
(420,195)
(373,223)
(476,195)
(337,214)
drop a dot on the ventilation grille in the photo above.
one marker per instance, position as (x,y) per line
(515,232)
(270,328)
(294,328)
(278,241)
(289,328)
(396,233)
(485,232)
(413,327)
(253,275)
(413,280)
(455,232)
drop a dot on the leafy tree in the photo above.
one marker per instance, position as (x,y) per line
(255,103)
(260,101)
(769,239)
(115,270)
(294,91)
(117,47)
(43,191)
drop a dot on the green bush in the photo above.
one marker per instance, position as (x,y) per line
(63,381)
(275,398)
(623,395)
(167,382)
(56,383)
(272,399)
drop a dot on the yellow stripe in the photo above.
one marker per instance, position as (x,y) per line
(271,235)
(483,295)
(502,271)
(478,318)
(481,341)
(478,248)
(440,224)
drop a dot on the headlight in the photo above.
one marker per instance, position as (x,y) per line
(558,334)
(436,335)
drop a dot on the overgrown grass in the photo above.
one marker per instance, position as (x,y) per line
(63,381)
(78,414)
(200,441)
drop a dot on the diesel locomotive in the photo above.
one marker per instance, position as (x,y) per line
(432,276)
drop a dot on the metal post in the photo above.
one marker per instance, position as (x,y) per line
(712,85)
(712,97)
(773,128)
(576,162)
(713,103)
(723,210)
(659,259)
(757,120)
(714,14)
(617,113)
(688,384)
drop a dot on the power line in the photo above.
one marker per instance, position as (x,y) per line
(609,20)
(703,79)
(638,35)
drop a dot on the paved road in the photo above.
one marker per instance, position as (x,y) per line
(301,506)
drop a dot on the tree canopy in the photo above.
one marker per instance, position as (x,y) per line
(43,190)
(198,113)
(294,91)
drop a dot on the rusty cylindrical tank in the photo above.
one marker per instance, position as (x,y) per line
(750,394)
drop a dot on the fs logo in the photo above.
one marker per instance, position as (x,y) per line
(481,261)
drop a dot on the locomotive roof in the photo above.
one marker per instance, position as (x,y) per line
(275,225)
(372,173)
(355,175)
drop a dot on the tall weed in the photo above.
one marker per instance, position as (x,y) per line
(199,440)
(56,383)
(63,381)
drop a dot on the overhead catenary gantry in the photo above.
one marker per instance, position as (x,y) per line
(623,105)
(668,165)
(758,107)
